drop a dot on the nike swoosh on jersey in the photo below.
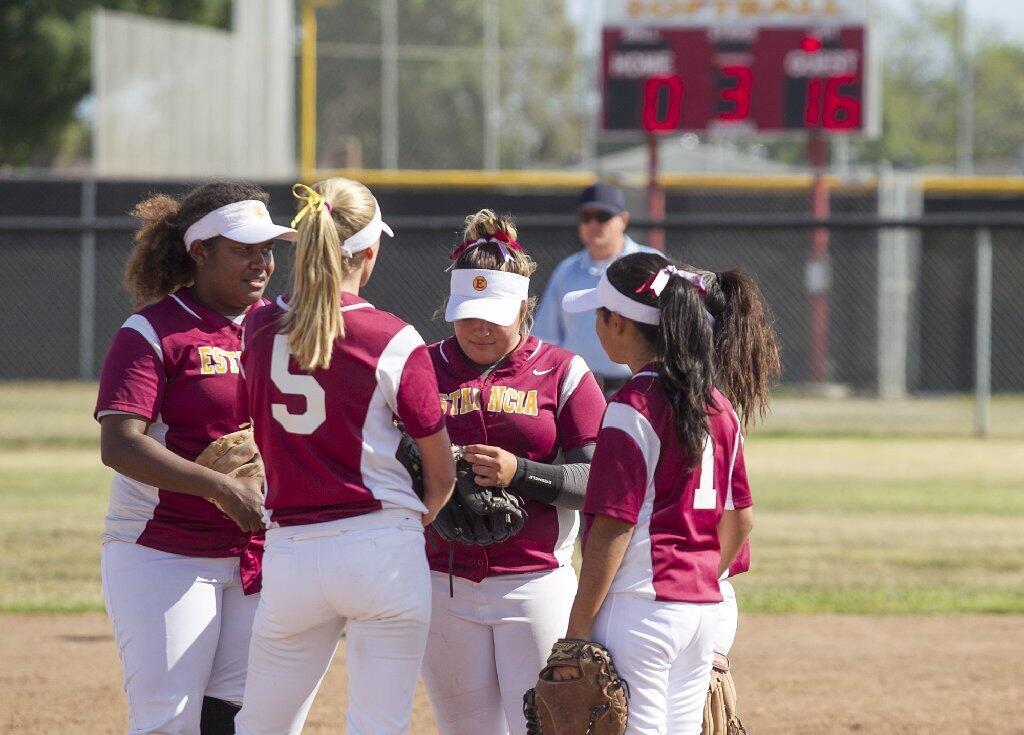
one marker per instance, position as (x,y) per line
(542,372)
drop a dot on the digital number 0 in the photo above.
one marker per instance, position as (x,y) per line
(671,87)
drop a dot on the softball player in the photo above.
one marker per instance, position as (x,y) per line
(179,576)
(667,510)
(516,405)
(746,365)
(326,373)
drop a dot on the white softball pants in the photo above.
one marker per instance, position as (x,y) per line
(664,651)
(182,628)
(365,575)
(488,643)
(727,618)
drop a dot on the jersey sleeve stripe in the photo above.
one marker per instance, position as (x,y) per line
(737,441)
(638,428)
(578,370)
(392,363)
(185,307)
(142,325)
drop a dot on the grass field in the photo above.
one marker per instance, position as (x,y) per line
(862,506)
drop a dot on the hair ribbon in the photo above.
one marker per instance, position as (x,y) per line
(501,239)
(656,283)
(313,200)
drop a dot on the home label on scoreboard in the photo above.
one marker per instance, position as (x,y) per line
(768,66)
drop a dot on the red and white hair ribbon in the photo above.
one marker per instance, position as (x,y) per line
(656,283)
(501,239)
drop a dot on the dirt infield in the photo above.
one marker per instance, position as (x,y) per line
(813,674)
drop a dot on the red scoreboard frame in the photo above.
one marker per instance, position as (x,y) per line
(768,79)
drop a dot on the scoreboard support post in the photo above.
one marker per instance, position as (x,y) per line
(655,194)
(817,274)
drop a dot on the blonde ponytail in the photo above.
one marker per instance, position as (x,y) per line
(313,320)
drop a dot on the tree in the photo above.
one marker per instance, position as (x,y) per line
(44,65)
(920,91)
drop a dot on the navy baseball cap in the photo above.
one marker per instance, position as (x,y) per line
(603,196)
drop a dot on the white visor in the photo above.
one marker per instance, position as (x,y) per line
(366,236)
(608,296)
(494,296)
(247,221)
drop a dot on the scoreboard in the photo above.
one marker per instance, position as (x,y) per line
(749,66)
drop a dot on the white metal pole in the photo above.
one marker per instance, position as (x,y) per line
(899,197)
(389,83)
(983,332)
(492,81)
(87,283)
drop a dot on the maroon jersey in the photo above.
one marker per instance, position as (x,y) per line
(740,486)
(176,364)
(742,561)
(541,401)
(327,437)
(640,475)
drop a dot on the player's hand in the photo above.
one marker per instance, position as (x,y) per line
(492,466)
(241,500)
(434,503)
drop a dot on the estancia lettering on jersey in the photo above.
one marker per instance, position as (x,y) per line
(327,436)
(541,401)
(640,475)
(175,363)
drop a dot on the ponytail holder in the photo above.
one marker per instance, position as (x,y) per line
(501,239)
(313,202)
(656,283)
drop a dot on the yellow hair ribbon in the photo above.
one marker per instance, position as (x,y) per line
(313,199)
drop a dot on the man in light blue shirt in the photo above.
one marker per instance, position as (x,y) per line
(602,230)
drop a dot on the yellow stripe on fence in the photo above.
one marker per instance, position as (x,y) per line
(464,178)
(527,179)
(1013,185)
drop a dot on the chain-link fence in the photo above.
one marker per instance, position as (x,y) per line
(65,301)
(451,84)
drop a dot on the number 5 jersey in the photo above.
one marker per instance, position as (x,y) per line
(327,437)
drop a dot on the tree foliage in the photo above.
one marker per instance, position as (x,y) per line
(44,65)
(920,91)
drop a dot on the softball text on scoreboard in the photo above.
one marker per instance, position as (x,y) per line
(704,66)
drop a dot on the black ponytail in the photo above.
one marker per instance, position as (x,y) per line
(686,362)
(746,351)
(683,344)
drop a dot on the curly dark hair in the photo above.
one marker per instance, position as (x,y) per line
(159,263)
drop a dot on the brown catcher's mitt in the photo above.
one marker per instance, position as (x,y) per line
(720,716)
(234,454)
(593,703)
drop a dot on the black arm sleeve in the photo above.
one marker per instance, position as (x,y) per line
(561,485)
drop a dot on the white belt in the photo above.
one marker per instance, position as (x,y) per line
(383,519)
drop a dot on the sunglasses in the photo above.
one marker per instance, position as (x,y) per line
(600,216)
